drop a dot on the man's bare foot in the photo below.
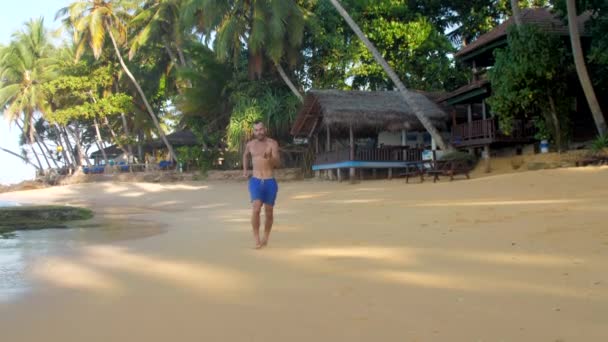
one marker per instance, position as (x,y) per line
(264,242)
(259,245)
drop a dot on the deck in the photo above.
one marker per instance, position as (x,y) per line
(368,158)
(486,132)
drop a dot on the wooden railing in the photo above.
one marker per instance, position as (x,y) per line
(387,153)
(478,129)
(487,130)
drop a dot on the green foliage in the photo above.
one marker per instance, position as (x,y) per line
(458,155)
(529,81)
(600,144)
(597,26)
(412,44)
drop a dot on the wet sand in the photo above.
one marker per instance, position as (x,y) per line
(518,257)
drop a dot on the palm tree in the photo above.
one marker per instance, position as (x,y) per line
(405,94)
(24,159)
(581,69)
(91,21)
(24,68)
(271,29)
(160,20)
(516,12)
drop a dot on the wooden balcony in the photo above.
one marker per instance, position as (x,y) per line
(486,132)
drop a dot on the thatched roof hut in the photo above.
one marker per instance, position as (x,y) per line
(177,139)
(364,110)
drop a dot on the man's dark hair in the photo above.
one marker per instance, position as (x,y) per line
(257,122)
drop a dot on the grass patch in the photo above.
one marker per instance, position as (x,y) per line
(40,217)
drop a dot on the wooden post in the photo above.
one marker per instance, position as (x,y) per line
(390,173)
(339,175)
(483,109)
(486,157)
(317,173)
(352,153)
(328,139)
(470,124)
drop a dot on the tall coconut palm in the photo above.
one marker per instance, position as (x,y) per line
(405,93)
(581,69)
(160,21)
(271,29)
(24,159)
(91,21)
(24,68)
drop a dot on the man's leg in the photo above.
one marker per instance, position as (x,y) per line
(255,222)
(268,212)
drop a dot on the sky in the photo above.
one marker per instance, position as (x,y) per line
(12,17)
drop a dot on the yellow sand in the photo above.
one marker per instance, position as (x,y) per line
(518,257)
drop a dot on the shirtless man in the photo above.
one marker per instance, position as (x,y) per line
(263,187)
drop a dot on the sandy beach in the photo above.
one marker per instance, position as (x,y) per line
(516,257)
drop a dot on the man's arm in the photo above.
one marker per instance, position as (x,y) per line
(276,156)
(246,161)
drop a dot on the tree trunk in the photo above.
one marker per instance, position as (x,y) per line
(66,160)
(79,150)
(181,56)
(581,69)
(48,151)
(64,132)
(405,94)
(31,147)
(25,160)
(167,45)
(125,127)
(516,12)
(141,94)
(115,137)
(556,125)
(287,81)
(99,141)
(140,150)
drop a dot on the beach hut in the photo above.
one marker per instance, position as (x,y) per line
(474,127)
(358,130)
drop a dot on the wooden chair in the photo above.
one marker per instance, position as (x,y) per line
(413,170)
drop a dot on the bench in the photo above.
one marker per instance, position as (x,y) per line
(449,168)
(413,170)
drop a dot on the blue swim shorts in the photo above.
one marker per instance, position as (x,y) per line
(264,190)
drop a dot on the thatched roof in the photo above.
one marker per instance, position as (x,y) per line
(540,17)
(364,110)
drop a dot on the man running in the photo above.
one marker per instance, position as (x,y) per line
(263,187)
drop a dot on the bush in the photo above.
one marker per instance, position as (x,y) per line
(458,155)
(599,144)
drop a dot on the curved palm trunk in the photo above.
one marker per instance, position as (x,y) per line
(40,141)
(516,12)
(46,159)
(405,94)
(79,150)
(142,95)
(25,160)
(41,168)
(100,141)
(556,124)
(581,70)
(287,81)
(66,159)
(125,127)
(115,137)
(66,138)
